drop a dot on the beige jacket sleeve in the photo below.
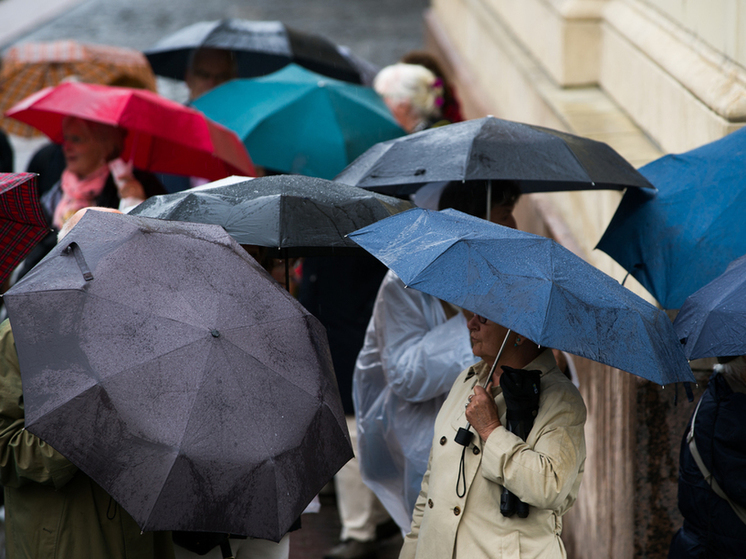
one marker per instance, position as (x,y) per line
(543,470)
(24,457)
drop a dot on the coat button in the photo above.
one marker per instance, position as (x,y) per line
(456,511)
(430,503)
(475,450)
(443,440)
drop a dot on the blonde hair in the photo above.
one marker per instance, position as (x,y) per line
(413,83)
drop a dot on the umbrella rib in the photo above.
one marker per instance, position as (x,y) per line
(289,380)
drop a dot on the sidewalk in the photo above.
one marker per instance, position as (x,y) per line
(20,17)
(320,532)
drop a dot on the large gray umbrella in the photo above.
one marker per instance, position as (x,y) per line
(294,214)
(161,360)
(539,159)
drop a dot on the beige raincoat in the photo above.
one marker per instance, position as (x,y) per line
(545,472)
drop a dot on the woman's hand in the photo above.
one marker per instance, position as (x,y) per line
(482,411)
(128,187)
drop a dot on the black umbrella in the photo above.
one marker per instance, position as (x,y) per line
(261,47)
(540,159)
(294,214)
(162,361)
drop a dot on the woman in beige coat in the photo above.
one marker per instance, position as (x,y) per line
(545,471)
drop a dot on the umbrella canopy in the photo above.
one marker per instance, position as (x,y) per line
(176,374)
(540,159)
(163,136)
(261,47)
(30,67)
(712,321)
(22,221)
(299,216)
(297,121)
(685,236)
(531,285)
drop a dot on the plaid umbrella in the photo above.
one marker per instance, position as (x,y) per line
(30,67)
(22,223)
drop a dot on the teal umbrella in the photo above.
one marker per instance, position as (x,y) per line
(299,122)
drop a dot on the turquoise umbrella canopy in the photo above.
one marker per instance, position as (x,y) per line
(299,122)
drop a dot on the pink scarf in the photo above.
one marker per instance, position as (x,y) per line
(78,193)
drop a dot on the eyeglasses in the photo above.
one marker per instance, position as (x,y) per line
(481,319)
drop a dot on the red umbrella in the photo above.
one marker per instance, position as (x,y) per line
(22,222)
(164,136)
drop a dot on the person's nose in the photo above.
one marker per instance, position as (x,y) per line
(473,323)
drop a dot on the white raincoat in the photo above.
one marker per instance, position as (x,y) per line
(410,358)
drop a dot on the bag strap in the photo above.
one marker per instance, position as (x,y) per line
(709,479)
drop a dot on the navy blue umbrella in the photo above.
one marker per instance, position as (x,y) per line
(712,321)
(531,285)
(675,242)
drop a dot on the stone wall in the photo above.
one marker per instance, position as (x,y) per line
(640,76)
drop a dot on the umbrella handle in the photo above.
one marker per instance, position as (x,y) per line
(463,435)
(225,549)
(74,249)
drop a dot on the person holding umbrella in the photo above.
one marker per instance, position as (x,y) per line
(415,347)
(93,176)
(712,490)
(712,499)
(208,68)
(458,512)
(54,509)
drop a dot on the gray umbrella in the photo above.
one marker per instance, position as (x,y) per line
(540,159)
(161,360)
(295,214)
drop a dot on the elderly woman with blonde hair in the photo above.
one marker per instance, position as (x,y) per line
(413,94)
(94,175)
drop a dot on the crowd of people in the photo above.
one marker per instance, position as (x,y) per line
(413,371)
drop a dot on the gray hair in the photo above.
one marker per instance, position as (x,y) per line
(413,83)
(733,369)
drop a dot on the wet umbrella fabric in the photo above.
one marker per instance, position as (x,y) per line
(178,376)
(540,159)
(260,48)
(712,321)
(297,215)
(22,221)
(30,67)
(677,241)
(300,122)
(531,285)
(163,136)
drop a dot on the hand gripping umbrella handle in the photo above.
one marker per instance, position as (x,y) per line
(464,435)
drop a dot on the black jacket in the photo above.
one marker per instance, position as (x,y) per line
(711,528)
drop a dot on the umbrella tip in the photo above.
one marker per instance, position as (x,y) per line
(215,333)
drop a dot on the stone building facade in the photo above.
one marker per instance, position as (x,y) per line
(648,77)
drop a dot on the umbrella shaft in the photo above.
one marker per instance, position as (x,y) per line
(492,370)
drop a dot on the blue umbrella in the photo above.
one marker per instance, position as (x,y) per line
(531,285)
(299,122)
(712,321)
(675,242)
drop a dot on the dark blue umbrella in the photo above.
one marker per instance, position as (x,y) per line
(531,285)
(712,321)
(675,242)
